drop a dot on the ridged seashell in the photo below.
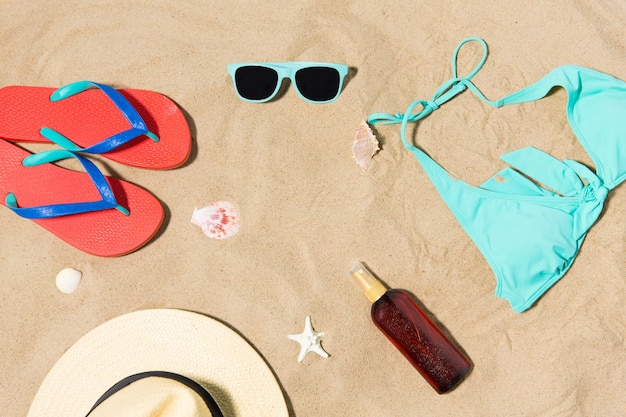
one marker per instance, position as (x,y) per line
(218,220)
(365,146)
(67,280)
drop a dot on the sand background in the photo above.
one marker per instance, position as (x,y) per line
(308,212)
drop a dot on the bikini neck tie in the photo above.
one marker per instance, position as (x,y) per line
(447,91)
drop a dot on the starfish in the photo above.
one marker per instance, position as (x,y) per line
(310,341)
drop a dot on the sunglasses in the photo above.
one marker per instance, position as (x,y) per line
(315,82)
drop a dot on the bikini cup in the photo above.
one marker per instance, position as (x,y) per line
(530,234)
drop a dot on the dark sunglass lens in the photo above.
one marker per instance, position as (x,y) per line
(318,83)
(255,83)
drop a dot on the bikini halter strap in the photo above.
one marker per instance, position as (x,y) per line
(445,92)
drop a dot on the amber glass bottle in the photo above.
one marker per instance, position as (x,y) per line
(404,323)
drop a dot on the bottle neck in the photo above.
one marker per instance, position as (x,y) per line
(373,289)
(374,292)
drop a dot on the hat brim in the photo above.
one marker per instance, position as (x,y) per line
(190,344)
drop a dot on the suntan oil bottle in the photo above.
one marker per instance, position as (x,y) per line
(404,323)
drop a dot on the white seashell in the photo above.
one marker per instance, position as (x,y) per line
(365,146)
(218,220)
(67,280)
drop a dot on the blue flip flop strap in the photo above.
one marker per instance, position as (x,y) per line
(108,200)
(138,126)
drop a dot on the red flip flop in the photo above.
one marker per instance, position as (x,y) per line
(99,215)
(135,127)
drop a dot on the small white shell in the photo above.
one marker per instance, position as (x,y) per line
(67,280)
(365,146)
(218,220)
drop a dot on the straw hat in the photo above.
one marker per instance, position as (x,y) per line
(175,341)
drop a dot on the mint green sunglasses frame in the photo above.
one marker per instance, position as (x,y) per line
(289,70)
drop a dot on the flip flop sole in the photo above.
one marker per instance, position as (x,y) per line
(89,117)
(102,233)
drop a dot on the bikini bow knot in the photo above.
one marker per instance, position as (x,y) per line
(593,197)
(595,193)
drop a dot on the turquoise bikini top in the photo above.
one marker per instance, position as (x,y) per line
(531,231)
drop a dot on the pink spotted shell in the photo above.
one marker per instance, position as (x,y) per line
(218,220)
